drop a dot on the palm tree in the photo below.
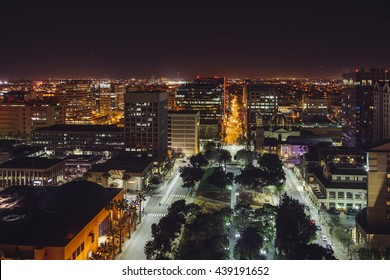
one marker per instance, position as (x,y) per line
(111,243)
(249,244)
(113,185)
(132,213)
(109,207)
(106,175)
(104,250)
(126,176)
(120,205)
(140,197)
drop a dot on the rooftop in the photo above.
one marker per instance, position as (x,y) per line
(81,127)
(30,163)
(361,220)
(382,148)
(123,162)
(309,140)
(83,158)
(356,185)
(50,216)
(346,169)
(183,112)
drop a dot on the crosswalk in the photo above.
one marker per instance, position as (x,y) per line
(172,195)
(156,214)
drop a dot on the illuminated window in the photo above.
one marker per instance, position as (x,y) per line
(388,203)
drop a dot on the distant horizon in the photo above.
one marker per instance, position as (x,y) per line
(186,78)
(139,40)
(168,78)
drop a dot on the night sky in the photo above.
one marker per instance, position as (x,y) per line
(123,39)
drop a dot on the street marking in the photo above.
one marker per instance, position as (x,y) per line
(172,195)
(156,214)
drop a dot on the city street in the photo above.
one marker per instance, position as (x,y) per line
(155,207)
(295,189)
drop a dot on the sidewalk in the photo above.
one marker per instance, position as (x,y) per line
(340,252)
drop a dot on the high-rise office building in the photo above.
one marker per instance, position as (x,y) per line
(262,101)
(373,223)
(78,100)
(105,104)
(146,122)
(381,111)
(358,105)
(171,91)
(206,95)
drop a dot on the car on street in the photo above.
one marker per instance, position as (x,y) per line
(351,212)
(318,227)
(333,211)
(327,246)
(323,238)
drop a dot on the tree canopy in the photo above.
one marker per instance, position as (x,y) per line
(293,227)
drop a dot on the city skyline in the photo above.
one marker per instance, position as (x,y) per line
(171,40)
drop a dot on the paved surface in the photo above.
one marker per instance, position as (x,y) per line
(155,207)
(294,189)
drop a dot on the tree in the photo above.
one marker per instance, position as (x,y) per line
(224,157)
(120,205)
(293,226)
(139,198)
(312,252)
(125,177)
(273,173)
(209,145)
(109,207)
(104,250)
(113,185)
(106,175)
(245,155)
(252,178)
(132,217)
(249,244)
(111,240)
(199,161)
(199,242)
(265,219)
(166,231)
(220,179)
(190,175)
(155,180)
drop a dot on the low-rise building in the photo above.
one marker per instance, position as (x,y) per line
(34,171)
(55,223)
(129,173)
(340,186)
(67,139)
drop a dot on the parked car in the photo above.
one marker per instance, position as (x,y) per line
(318,227)
(333,211)
(351,212)
(323,238)
(329,247)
